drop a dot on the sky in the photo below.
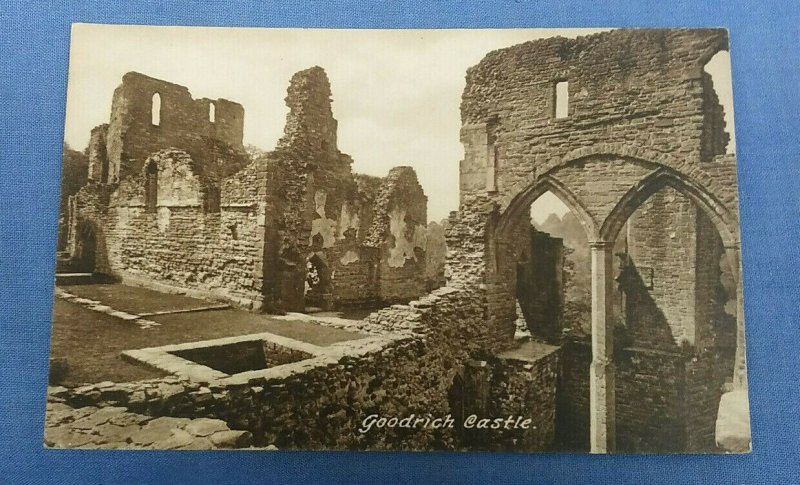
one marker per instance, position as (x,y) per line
(396,93)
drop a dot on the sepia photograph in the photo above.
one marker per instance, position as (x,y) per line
(516,240)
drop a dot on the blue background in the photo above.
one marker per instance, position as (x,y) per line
(34,40)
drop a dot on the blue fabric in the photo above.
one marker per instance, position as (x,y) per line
(34,41)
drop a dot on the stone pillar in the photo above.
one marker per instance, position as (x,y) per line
(740,365)
(602,418)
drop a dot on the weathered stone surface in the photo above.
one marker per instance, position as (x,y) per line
(231,439)
(205,426)
(118,428)
(158,191)
(641,117)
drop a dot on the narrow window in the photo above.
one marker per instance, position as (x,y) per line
(212,201)
(212,112)
(151,188)
(561,100)
(155,110)
(491,169)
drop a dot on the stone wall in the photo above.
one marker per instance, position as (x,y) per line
(359,230)
(399,229)
(540,285)
(190,211)
(643,87)
(98,156)
(665,401)
(73,176)
(661,292)
(407,372)
(182,244)
(627,89)
(435,254)
(185,123)
(642,115)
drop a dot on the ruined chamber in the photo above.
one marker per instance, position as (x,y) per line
(175,202)
(628,347)
(625,128)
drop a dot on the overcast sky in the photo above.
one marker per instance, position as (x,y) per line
(396,93)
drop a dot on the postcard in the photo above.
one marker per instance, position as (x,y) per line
(479,240)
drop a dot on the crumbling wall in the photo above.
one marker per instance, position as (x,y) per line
(407,372)
(540,284)
(98,156)
(639,104)
(341,221)
(184,123)
(626,89)
(182,244)
(87,232)
(259,223)
(399,230)
(325,209)
(73,176)
(714,138)
(643,87)
(435,254)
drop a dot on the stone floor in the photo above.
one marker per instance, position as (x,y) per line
(118,428)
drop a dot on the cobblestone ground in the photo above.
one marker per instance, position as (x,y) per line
(118,428)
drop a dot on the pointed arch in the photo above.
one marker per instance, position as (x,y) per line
(722,219)
(522,202)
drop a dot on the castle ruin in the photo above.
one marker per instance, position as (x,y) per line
(175,203)
(623,126)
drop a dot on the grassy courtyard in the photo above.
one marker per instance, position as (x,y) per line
(90,342)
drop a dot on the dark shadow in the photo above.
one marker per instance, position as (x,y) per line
(318,292)
(85,253)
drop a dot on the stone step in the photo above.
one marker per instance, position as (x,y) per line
(75,278)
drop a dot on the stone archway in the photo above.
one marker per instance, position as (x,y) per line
(652,112)
(318,283)
(602,215)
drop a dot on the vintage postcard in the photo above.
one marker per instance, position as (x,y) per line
(497,240)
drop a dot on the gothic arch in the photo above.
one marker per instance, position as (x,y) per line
(522,201)
(665,177)
(690,167)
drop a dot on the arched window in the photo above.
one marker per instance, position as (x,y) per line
(155,110)
(151,188)
(212,112)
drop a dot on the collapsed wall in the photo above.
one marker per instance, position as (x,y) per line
(349,239)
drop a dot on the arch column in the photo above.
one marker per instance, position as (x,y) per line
(740,365)
(602,412)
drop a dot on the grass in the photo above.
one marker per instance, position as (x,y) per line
(90,342)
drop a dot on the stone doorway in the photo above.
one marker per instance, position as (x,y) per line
(85,252)
(318,287)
